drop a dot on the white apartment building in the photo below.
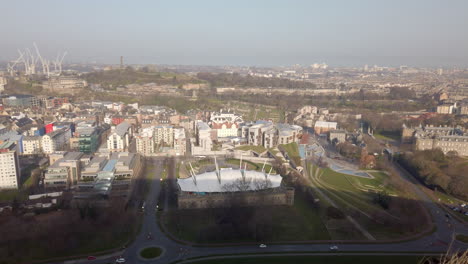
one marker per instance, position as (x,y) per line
(204,141)
(32,145)
(164,135)
(9,166)
(119,138)
(226,129)
(225,123)
(180,141)
(55,141)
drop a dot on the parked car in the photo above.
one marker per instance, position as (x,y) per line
(263,246)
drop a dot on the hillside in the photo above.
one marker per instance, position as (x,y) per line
(114,78)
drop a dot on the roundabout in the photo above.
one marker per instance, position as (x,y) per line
(150,253)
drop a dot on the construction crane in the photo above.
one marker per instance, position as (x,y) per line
(30,61)
(11,67)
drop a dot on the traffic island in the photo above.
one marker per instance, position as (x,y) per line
(151,253)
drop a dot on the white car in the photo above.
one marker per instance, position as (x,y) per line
(120,261)
(263,246)
(334,248)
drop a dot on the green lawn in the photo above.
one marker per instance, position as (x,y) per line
(258,149)
(9,195)
(293,152)
(356,194)
(390,136)
(273,151)
(317,259)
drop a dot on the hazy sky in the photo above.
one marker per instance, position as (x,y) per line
(241,32)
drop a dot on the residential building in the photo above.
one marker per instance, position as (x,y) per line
(445,109)
(337,136)
(308,109)
(446,138)
(119,138)
(64,84)
(203,136)
(145,142)
(225,129)
(180,141)
(164,135)
(56,140)
(9,166)
(322,127)
(21,100)
(32,145)
(463,109)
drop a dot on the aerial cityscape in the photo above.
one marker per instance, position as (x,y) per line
(234,132)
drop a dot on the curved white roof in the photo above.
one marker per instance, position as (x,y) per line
(230,178)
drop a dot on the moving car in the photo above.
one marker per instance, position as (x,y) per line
(334,248)
(263,246)
(91,257)
(120,260)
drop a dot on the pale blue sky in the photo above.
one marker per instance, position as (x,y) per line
(241,32)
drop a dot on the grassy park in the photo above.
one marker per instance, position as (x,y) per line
(258,149)
(381,206)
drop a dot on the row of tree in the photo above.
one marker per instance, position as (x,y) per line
(237,80)
(442,172)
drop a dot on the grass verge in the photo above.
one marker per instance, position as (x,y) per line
(151,252)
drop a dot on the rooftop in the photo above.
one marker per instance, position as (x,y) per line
(122,128)
(209,182)
(110,165)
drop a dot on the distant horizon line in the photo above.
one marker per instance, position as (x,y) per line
(302,65)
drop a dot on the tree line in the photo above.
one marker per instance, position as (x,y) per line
(446,173)
(237,80)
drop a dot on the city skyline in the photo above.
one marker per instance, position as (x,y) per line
(262,33)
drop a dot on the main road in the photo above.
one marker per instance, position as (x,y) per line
(438,241)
